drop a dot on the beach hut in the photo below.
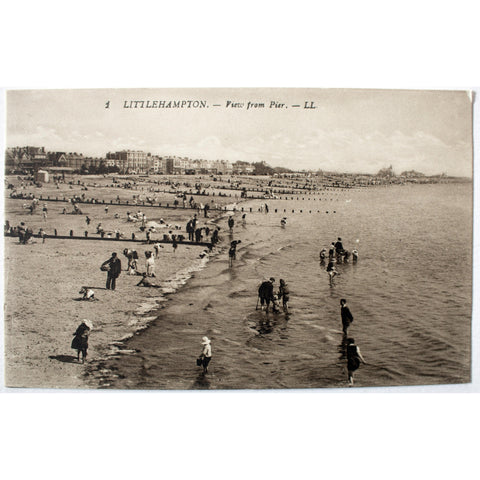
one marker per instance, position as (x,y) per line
(42,176)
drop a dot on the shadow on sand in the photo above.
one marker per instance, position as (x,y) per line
(64,358)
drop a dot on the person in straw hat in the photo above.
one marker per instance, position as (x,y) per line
(206,354)
(80,339)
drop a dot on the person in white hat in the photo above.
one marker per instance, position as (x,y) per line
(80,340)
(206,354)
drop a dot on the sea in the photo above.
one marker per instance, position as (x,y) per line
(410,293)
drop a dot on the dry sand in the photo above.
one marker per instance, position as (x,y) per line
(42,283)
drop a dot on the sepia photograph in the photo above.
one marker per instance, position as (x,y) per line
(238,238)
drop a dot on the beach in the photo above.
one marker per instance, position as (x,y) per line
(43,280)
(149,338)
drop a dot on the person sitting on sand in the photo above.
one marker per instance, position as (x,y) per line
(323,254)
(80,340)
(283,221)
(145,282)
(132,269)
(354,357)
(88,293)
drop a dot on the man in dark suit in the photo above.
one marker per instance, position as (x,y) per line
(114,267)
(347,317)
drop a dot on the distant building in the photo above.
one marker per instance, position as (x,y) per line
(131,161)
(175,165)
(26,158)
(242,168)
(74,160)
(57,159)
(158,165)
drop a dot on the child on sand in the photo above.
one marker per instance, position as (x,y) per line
(80,340)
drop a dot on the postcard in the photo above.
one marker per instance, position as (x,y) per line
(238,238)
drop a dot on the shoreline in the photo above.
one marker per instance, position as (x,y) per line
(52,356)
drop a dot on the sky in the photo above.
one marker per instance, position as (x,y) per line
(349,130)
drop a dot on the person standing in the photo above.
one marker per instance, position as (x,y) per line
(21,230)
(129,254)
(265,293)
(331,270)
(354,357)
(190,230)
(206,354)
(42,234)
(114,267)
(232,252)
(150,264)
(284,294)
(231,223)
(338,246)
(347,317)
(80,339)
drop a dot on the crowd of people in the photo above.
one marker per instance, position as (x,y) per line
(336,254)
(268,294)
